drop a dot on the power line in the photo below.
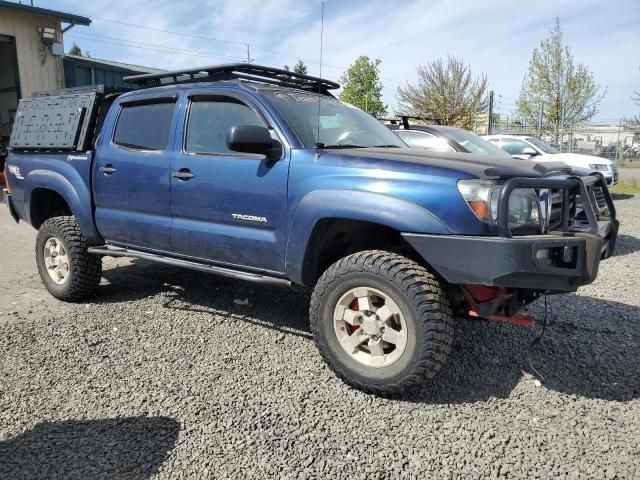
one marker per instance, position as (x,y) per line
(161,50)
(202,37)
(233,42)
(88,36)
(104,39)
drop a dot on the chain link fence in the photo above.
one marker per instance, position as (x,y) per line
(618,141)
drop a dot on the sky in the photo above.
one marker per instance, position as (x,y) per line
(495,37)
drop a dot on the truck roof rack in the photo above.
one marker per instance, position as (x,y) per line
(230,71)
(404,119)
(100,89)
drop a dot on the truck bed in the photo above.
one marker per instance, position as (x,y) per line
(68,173)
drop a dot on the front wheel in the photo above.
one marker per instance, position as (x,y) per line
(381,322)
(66,268)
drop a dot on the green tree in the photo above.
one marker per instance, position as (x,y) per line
(300,67)
(447,92)
(555,90)
(75,50)
(362,86)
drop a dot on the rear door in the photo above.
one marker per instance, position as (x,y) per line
(227,207)
(131,174)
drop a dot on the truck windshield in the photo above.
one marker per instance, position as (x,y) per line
(472,143)
(340,125)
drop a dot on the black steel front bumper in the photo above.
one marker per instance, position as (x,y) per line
(562,260)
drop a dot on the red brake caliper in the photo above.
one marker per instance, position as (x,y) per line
(356,308)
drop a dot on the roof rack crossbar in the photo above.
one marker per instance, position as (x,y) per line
(244,71)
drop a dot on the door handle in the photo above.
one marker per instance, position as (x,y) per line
(107,169)
(183,174)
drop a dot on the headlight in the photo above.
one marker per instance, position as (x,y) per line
(599,167)
(482,198)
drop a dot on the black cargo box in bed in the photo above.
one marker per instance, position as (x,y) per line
(68,119)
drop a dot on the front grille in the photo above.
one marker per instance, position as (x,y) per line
(555,212)
(567,205)
(600,200)
(576,217)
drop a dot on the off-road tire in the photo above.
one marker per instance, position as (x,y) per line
(422,302)
(85,269)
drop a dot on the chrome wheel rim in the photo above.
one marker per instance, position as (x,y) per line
(370,327)
(56,260)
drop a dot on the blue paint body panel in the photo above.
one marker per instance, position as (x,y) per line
(142,205)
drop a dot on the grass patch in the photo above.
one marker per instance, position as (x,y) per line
(627,186)
(628,164)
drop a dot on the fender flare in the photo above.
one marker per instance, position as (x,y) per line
(77,196)
(392,212)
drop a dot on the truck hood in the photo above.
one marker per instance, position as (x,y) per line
(480,166)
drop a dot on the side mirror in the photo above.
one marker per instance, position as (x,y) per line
(253,139)
(529,151)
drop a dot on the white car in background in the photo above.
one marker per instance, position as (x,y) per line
(531,148)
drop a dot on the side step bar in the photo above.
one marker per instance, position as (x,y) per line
(113,251)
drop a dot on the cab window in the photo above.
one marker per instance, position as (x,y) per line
(144,126)
(210,121)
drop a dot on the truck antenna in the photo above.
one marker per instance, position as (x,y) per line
(318,144)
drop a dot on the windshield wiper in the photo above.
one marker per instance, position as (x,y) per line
(386,146)
(342,145)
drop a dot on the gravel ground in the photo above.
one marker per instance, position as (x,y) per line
(164,376)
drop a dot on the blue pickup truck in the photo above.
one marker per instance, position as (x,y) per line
(261,174)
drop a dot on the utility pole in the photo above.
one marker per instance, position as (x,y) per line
(540,122)
(248,53)
(561,141)
(618,156)
(490,121)
(571,137)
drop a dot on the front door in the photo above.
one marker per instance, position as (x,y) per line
(227,207)
(131,175)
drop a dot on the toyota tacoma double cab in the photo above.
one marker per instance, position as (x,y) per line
(261,174)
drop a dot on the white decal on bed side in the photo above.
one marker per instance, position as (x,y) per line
(15,171)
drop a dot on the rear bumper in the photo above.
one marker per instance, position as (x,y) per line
(12,210)
(545,262)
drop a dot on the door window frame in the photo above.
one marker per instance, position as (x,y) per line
(213,94)
(146,100)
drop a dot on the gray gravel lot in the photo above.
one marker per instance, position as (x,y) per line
(164,376)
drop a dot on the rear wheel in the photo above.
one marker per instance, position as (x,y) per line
(66,268)
(381,322)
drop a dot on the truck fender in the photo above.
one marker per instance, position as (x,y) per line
(392,212)
(77,196)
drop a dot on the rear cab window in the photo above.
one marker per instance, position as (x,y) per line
(144,126)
